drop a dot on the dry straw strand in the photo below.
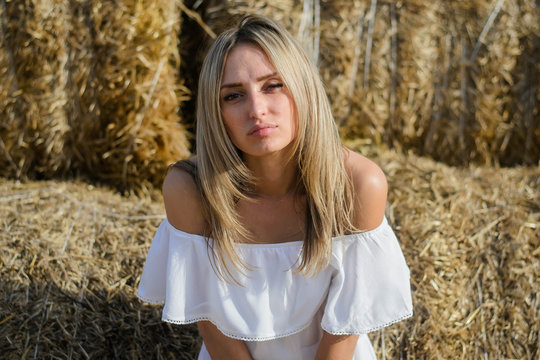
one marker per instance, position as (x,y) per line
(355,65)
(393,71)
(195,16)
(486,29)
(372,12)
(309,31)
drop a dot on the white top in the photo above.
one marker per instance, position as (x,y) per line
(278,313)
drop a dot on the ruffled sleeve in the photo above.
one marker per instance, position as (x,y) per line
(178,274)
(272,302)
(370,287)
(153,284)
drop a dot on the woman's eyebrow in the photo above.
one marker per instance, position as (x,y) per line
(261,78)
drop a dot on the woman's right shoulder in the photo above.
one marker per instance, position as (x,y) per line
(182,200)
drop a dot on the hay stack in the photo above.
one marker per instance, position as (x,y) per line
(222,14)
(33,55)
(135,58)
(70,268)
(71,256)
(448,80)
(471,239)
(91,87)
(370,89)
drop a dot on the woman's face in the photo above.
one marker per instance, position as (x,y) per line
(256,107)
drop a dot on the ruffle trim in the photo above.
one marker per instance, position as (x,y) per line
(369,234)
(234,336)
(361,332)
(151,301)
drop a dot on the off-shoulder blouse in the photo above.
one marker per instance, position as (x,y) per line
(279,313)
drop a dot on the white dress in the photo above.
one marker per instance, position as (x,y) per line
(281,314)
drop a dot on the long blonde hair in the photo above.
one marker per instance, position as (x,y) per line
(225,179)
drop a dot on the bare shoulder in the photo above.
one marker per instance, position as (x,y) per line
(182,201)
(370,190)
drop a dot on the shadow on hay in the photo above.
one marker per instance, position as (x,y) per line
(41,320)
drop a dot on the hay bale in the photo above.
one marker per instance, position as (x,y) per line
(369,107)
(71,256)
(71,261)
(451,83)
(91,87)
(454,80)
(33,55)
(131,129)
(222,14)
(471,239)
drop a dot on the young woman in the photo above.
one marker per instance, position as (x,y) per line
(275,240)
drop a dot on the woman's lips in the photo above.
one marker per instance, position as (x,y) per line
(261,129)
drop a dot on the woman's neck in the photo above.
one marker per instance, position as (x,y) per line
(276,177)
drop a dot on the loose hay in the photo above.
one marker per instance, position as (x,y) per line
(71,259)
(71,256)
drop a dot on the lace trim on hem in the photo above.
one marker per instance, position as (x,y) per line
(237,337)
(360,332)
(151,301)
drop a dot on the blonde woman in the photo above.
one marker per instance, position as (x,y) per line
(275,241)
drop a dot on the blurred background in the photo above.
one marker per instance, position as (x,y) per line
(97,99)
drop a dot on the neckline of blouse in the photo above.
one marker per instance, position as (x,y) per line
(282,244)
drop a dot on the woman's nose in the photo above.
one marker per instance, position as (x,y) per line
(257,106)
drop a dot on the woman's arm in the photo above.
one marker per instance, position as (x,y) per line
(370,191)
(336,347)
(220,346)
(184,212)
(182,202)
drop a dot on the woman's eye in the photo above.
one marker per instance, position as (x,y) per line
(231,97)
(275,86)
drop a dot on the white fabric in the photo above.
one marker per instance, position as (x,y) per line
(278,313)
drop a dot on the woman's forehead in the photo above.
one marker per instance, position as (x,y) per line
(246,61)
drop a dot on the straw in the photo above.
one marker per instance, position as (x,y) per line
(72,254)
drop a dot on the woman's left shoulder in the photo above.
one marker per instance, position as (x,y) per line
(370,190)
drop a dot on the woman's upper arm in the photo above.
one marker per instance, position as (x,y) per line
(370,191)
(336,347)
(184,212)
(182,202)
(220,346)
